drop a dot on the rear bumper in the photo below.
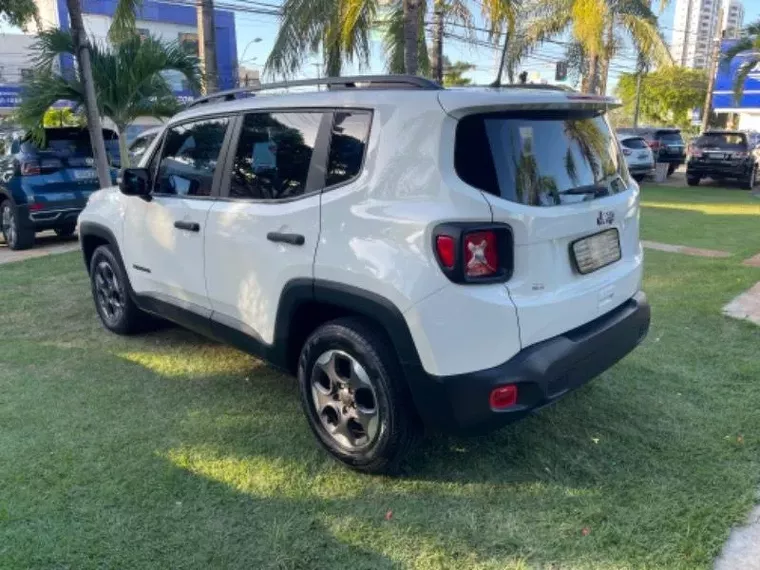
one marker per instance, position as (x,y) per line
(729,170)
(641,168)
(543,372)
(46,219)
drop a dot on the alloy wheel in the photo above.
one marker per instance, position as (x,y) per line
(8,225)
(109,291)
(345,400)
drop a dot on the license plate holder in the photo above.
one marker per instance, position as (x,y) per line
(593,252)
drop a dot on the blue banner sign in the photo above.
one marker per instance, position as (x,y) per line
(723,93)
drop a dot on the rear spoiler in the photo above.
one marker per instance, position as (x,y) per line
(457,106)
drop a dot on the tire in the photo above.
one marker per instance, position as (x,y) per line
(65,231)
(749,182)
(672,168)
(16,237)
(111,293)
(692,180)
(639,177)
(362,413)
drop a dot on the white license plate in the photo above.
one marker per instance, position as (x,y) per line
(596,251)
(643,155)
(85,174)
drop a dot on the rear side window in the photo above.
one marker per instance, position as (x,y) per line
(725,141)
(539,158)
(274,155)
(189,158)
(635,143)
(347,145)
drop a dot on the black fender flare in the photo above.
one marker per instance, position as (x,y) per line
(89,229)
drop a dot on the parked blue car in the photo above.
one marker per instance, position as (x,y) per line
(44,187)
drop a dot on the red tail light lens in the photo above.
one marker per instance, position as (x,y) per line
(503,397)
(446,248)
(36,207)
(30,168)
(481,254)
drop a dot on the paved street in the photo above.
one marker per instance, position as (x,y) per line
(47,243)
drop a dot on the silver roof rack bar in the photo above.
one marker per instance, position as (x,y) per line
(337,83)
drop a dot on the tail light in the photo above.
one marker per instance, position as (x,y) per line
(503,397)
(627,151)
(474,253)
(655,145)
(741,154)
(30,168)
(694,151)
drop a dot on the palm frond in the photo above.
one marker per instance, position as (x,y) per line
(393,39)
(124,20)
(647,39)
(742,73)
(42,91)
(744,44)
(49,45)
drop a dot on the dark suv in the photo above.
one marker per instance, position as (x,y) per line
(723,154)
(666,143)
(44,187)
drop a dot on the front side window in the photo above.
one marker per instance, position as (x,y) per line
(544,158)
(274,155)
(349,139)
(139,146)
(189,158)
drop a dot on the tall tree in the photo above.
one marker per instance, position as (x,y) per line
(598,26)
(411,35)
(207,45)
(128,78)
(453,73)
(19,12)
(501,16)
(81,48)
(339,29)
(749,48)
(436,51)
(393,40)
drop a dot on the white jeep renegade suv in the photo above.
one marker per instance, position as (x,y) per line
(417,255)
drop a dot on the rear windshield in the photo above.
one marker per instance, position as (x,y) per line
(727,141)
(636,143)
(64,143)
(669,137)
(539,158)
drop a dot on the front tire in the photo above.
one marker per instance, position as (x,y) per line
(110,291)
(355,398)
(692,180)
(16,237)
(672,168)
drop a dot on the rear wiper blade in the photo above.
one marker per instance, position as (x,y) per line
(595,189)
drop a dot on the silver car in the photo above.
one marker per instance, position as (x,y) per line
(638,156)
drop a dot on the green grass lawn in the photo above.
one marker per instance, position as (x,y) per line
(169,451)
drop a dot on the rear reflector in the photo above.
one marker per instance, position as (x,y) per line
(446,249)
(503,397)
(481,255)
(35,207)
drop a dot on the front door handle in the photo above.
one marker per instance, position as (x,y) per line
(188,226)
(292,239)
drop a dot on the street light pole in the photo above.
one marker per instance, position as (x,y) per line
(713,70)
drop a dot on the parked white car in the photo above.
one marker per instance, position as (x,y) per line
(638,156)
(416,255)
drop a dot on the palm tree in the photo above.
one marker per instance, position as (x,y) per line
(598,26)
(501,16)
(128,78)
(394,38)
(749,46)
(340,29)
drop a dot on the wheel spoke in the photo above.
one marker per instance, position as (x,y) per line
(342,429)
(365,418)
(322,398)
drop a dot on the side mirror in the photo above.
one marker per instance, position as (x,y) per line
(135,182)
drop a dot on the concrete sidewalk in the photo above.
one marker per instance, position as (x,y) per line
(46,243)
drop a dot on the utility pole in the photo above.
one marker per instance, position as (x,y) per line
(436,61)
(713,70)
(207,45)
(82,48)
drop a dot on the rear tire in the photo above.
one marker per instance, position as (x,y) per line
(355,398)
(693,180)
(65,231)
(639,178)
(16,237)
(672,168)
(111,293)
(749,182)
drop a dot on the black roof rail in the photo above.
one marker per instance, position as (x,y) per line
(365,81)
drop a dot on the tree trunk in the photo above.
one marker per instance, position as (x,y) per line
(411,35)
(91,105)
(436,62)
(207,45)
(502,61)
(605,63)
(593,74)
(125,159)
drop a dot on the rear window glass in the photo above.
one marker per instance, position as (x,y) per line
(66,143)
(729,141)
(634,143)
(670,138)
(539,159)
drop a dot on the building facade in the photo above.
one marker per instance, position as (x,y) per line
(696,25)
(167,20)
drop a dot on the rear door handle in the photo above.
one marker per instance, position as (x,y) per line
(292,239)
(188,226)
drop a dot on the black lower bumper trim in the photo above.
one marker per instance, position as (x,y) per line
(543,372)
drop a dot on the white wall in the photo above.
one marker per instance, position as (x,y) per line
(750,121)
(15,55)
